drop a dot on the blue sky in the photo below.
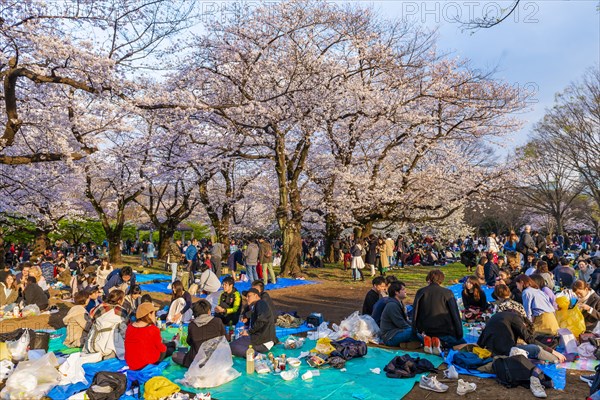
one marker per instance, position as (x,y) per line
(546,45)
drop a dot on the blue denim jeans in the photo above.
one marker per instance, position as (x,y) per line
(532,349)
(406,335)
(251,272)
(451,341)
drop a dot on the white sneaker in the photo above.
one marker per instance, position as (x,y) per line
(536,387)
(431,383)
(515,351)
(465,387)
(451,373)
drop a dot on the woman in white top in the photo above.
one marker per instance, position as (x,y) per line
(103,271)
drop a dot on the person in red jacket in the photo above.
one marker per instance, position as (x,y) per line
(143,344)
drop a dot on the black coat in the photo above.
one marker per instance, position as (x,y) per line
(593,316)
(371,298)
(198,335)
(502,332)
(435,312)
(469,300)
(33,294)
(262,327)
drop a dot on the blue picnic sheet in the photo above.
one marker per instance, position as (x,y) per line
(458,287)
(145,278)
(558,375)
(282,283)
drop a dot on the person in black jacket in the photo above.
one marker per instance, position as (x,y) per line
(373,295)
(589,303)
(491,271)
(503,330)
(201,329)
(261,331)
(436,312)
(595,278)
(473,296)
(34,294)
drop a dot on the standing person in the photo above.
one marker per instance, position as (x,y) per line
(144,252)
(265,255)
(492,247)
(192,259)
(251,255)
(357,263)
(371,257)
(150,252)
(261,331)
(174,255)
(526,244)
(436,315)
(540,242)
(216,254)
(389,250)
(382,264)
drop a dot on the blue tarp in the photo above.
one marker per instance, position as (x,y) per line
(457,289)
(282,283)
(558,375)
(145,278)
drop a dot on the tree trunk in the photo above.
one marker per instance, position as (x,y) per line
(361,232)
(332,232)
(292,250)
(114,246)
(41,242)
(559,225)
(165,235)
(222,231)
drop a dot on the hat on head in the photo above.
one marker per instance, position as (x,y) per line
(145,309)
(251,290)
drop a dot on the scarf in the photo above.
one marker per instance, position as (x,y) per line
(202,320)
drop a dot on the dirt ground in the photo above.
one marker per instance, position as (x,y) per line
(336,302)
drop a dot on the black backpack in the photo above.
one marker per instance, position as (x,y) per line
(596,382)
(116,381)
(407,367)
(349,348)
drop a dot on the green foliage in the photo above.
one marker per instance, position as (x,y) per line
(79,231)
(17,229)
(201,231)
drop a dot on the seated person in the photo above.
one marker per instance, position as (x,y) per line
(541,282)
(77,321)
(374,294)
(122,279)
(396,328)
(564,275)
(504,302)
(505,328)
(64,275)
(8,290)
(230,303)
(589,303)
(209,281)
(143,344)
(436,314)
(261,331)
(133,300)
(537,306)
(202,328)
(94,297)
(109,322)
(180,307)
(36,272)
(490,271)
(33,294)
(480,270)
(381,303)
(473,296)
(264,295)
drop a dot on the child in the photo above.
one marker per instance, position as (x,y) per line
(78,321)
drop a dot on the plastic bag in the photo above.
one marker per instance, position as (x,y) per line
(72,368)
(18,348)
(586,350)
(567,341)
(324,346)
(212,366)
(32,379)
(293,342)
(30,311)
(569,318)
(359,327)
(321,332)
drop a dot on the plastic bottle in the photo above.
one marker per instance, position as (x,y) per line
(250,360)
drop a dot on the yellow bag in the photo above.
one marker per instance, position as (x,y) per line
(482,353)
(572,319)
(324,346)
(158,388)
